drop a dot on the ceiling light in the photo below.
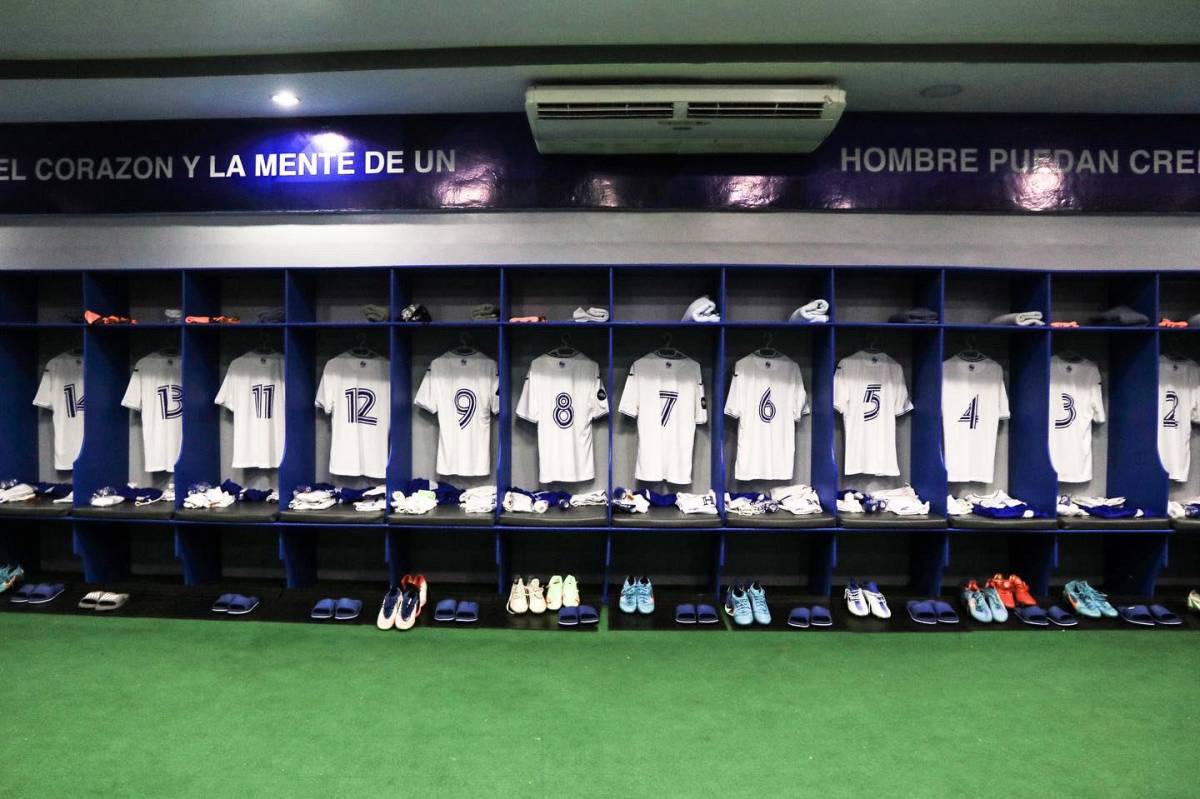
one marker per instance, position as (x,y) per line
(940,90)
(285,99)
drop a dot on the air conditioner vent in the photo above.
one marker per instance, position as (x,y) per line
(594,110)
(744,110)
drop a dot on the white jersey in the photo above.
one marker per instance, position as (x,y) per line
(666,396)
(974,401)
(869,392)
(356,393)
(61,392)
(463,391)
(253,391)
(1076,401)
(563,396)
(1178,409)
(156,391)
(766,396)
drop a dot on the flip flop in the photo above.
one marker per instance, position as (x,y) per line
(23,593)
(346,609)
(820,616)
(241,605)
(707,614)
(1137,614)
(89,600)
(446,610)
(568,617)
(1164,616)
(321,611)
(1033,616)
(685,614)
(1061,617)
(222,603)
(112,601)
(945,613)
(46,592)
(799,617)
(922,612)
(588,615)
(467,613)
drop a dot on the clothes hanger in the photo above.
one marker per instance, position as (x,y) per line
(170,352)
(1071,356)
(766,350)
(667,351)
(264,346)
(873,346)
(565,350)
(970,353)
(464,346)
(361,350)
(74,351)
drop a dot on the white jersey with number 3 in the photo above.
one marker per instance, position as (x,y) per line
(61,392)
(1178,409)
(155,390)
(974,401)
(253,392)
(666,396)
(356,393)
(869,392)
(1076,400)
(766,396)
(463,391)
(563,396)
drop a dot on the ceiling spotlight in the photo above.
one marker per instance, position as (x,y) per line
(285,99)
(941,90)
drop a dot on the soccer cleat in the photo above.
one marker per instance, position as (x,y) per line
(1020,590)
(975,602)
(410,608)
(537,600)
(418,582)
(1100,600)
(1081,600)
(856,603)
(570,592)
(389,610)
(876,601)
(737,605)
(518,598)
(1004,590)
(645,600)
(1194,601)
(10,577)
(554,593)
(630,593)
(758,603)
(995,606)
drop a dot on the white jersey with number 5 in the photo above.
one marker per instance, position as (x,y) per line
(253,391)
(1178,409)
(155,390)
(463,391)
(869,392)
(974,401)
(1076,400)
(666,396)
(766,396)
(61,392)
(355,392)
(563,396)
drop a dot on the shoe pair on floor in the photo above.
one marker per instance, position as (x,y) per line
(10,576)
(343,609)
(637,596)
(1002,596)
(402,604)
(235,604)
(1087,601)
(39,594)
(102,601)
(866,600)
(747,604)
(984,604)
(688,613)
(452,610)
(531,597)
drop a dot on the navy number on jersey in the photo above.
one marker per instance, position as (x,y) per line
(170,401)
(264,400)
(766,408)
(564,411)
(359,404)
(1170,420)
(971,414)
(464,405)
(669,399)
(871,398)
(74,401)
(1068,403)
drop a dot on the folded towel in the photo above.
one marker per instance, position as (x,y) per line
(1022,318)
(485,312)
(375,313)
(815,311)
(593,314)
(1121,315)
(271,316)
(915,316)
(702,309)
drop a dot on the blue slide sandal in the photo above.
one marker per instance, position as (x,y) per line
(1061,617)
(23,593)
(321,611)
(446,610)
(1137,614)
(945,613)
(922,612)
(1164,616)
(1033,616)
(467,613)
(685,613)
(568,617)
(799,617)
(222,603)
(707,614)
(241,605)
(820,616)
(588,615)
(46,592)
(347,609)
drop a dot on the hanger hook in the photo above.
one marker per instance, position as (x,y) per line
(566,340)
(464,339)
(768,338)
(666,340)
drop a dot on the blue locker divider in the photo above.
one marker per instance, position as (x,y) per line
(297,546)
(716,412)
(505,420)
(928,465)
(1031,292)
(1134,469)
(824,419)
(1031,476)
(19,421)
(104,550)
(200,453)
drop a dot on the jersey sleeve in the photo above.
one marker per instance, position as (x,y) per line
(225,393)
(495,391)
(733,400)
(525,405)
(701,403)
(629,396)
(44,398)
(599,398)
(325,392)
(841,390)
(1195,410)
(1096,399)
(799,397)
(425,398)
(903,404)
(1001,396)
(133,392)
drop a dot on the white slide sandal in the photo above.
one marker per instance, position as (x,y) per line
(112,601)
(90,601)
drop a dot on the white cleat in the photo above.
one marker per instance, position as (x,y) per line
(570,592)
(554,593)
(518,598)
(537,600)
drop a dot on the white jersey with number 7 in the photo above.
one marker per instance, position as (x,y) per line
(666,396)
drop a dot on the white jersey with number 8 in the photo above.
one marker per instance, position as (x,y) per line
(563,396)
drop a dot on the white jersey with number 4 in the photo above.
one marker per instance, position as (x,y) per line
(869,392)
(356,393)
(1076,401)
(766,396)
(463,391)
(253,391)
(563,396)
(61,392)
(666,396)
(1178,409)
(156,391)
(974,401)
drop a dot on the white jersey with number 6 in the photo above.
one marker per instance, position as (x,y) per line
(253,391)
(155,390)
(463,391)
(766,396)
(869,392)
(61,392)
(1178,409)
(974,401)
(355,392)
(1076,401)
(563,396)
(666,396)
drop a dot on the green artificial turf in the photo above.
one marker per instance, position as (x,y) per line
(141,707)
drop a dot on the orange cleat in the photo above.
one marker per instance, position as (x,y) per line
(1004,589)
(1020,589)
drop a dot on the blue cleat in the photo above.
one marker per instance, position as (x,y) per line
(737,605)
(630,594)
(758,603)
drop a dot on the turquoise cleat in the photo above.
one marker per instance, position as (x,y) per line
(631,593)
(737,605)
(995,605)
(758,603)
